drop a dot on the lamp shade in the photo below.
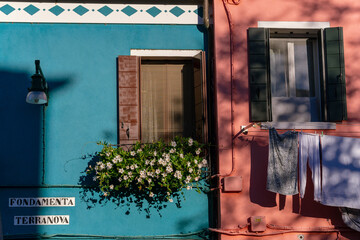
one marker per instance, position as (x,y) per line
(38,92)
(36,97)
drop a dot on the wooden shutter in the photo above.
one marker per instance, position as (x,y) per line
(128,99)
(335,74)
(259,79)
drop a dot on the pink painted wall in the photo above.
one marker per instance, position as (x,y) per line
(250,151)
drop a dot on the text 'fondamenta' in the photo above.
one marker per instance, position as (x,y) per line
(42,202)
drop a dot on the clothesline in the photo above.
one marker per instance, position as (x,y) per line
(245,130)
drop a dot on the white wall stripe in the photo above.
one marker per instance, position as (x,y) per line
(99,13)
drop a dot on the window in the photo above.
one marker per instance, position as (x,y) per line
(160,98)
(296,75)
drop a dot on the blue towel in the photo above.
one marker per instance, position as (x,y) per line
(282,172)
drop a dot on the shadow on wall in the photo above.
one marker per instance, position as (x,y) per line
(21,143)
(20,129)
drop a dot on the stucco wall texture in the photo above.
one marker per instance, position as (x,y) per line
(250,152)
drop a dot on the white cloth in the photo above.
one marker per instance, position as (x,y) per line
(309,149)
(341,171)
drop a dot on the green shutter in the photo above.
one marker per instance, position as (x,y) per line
(258,63)
(335,74)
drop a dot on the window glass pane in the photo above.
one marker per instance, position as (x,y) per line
(278,68)
(302,76)
(292,80)
(167,101)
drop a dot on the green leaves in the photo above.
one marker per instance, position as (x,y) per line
(157,169)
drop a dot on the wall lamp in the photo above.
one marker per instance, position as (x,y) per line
(38,92)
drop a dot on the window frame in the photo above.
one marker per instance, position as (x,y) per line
(129,122)
(259,80)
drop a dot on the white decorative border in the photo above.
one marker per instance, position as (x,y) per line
(288,24)
(35,12)
(164,53)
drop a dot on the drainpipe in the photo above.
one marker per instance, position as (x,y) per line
(206,14)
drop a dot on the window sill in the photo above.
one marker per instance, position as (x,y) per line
(299,125)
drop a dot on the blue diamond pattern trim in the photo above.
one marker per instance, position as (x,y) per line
(80,10)
(7,9)
(177,11)
(129,10)
(31,9)
(105,10)
(199,12)
(154,11)
(57,10)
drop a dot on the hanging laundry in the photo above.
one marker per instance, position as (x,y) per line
(309,149)
(351,217)
(340,171)
(282,172)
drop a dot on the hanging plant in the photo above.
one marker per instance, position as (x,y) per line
(155,171)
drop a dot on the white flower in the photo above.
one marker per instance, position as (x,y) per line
(172,150)
(119,179)
(171,200)
(94,178)
(132,167)
(198,151)
(147,162)
(155,153)
(168,193)
(101,166)
(197,179)
(127,167)
(132,153)
(151,194)
(189,187)
(195,161)
(117,159)
(109,165)
(188,178)
(139,179)
(204,162)
(191,141)
(107,154)
(173,143)
(164,175)
(121,170)
(169,169)
(149,180)
(200,165)
(157,171)
(126,177)
(111,187)
(178,175)
(188,164)
(139,150)
(136,166)
(190,170)
(130,174)
(152,163)
(181,155)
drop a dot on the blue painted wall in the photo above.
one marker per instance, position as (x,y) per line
(79,63)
